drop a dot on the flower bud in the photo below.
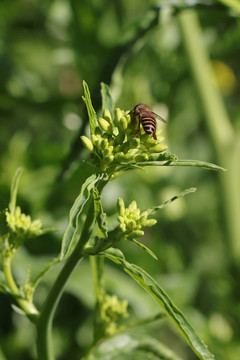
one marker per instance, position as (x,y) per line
(138,226)
(130,225)
(96,139)
(143,216)
(136,233)
(108,151)
(141,157)
(104,144)
(120,156)
(123,123)
(107,116)
(118,114)
(129,156)
(115,131)
(120,206)
(133,206)
(149,222)
(105,126)
(128,118)
(157,148)
(108,159)
(135,142)
(121,219)
(123,227)
(87,143)
(136,213)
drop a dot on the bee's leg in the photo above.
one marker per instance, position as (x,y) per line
(154,136)
(138,130)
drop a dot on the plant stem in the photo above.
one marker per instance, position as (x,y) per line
(25,305)
(225,140)
(97,263)
(44,339)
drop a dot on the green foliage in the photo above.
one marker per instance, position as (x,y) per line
(110,311)
(78,239)
(18,226)
(184,62)
(134,348)
(71,236)
(151,286)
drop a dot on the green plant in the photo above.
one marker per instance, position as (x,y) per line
(112,152)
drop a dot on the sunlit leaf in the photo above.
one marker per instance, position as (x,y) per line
(91,112)
(125,346)
(107,102)
(153,209)
(69,236)
(192,163)
(14,189)
(145,248)
(44,270)
(152,287)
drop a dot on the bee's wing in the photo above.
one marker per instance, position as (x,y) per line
(160,118)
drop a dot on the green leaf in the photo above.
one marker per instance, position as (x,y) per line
(192,163)
(151,286)
(14,189)
(153,209)
(91,112)
(100,215)
(107,102)
(133,347)
(145,248)
(44,270)
(70,235)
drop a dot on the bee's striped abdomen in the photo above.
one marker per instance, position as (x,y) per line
(147,118)
(149,124)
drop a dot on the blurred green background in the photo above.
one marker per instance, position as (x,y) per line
(140,49)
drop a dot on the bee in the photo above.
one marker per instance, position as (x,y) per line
(147,118)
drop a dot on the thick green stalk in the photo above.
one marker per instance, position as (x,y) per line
(44,340)
(27,306)
(225,142)
(44,327)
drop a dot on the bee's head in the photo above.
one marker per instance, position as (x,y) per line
(139,108)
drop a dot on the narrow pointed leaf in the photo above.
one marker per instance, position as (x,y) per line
(107,102)
(152,287)
(153,209)
(14,189)
(145,248)
(192,163)
(44,270)
(91,112)
(70,234)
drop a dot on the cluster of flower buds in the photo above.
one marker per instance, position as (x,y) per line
(20,228)
(132,220)
(112,310)
(113,142)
